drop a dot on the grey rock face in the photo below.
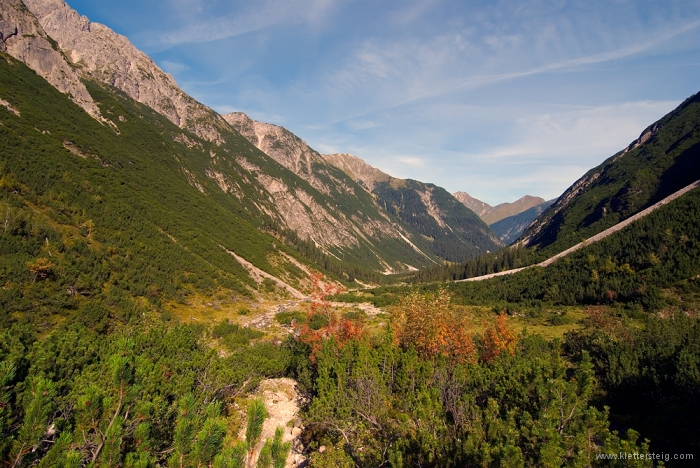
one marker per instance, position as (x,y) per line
(358,169)
(474,204)
(25,39)
(281,145)
(101,54)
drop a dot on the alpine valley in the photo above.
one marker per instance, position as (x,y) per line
(182,288)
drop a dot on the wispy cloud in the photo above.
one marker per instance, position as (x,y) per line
(201,25)
(391,61)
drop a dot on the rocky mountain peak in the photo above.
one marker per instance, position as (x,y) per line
(99,53)
(474,204)
(24,38)
(357,169)
(277,142)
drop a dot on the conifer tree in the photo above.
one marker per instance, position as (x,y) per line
(256,417)
(279,450)
(37,410)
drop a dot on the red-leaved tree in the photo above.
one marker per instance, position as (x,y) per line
(328,322)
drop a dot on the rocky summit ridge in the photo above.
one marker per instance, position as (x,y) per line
(95,51)
(23,37)
(492,214)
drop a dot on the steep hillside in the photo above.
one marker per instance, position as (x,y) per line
(509,229)
(452,231)
(665,158)
(504,210)
(422,215)
(93,213)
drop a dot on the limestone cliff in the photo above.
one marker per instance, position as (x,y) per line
(99,53)
(358,169)
(23,37)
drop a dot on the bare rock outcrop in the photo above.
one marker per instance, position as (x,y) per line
(287,149)
(25,39)
(358,169)
(474,204)
(99,53)
(282,402)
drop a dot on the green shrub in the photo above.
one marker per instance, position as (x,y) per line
(286,318)
(563,319)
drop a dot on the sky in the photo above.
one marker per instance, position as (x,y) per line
(496,98)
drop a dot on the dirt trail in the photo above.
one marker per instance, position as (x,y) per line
(597,237)
(282,401)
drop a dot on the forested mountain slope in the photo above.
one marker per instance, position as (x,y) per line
(665,158)
(453,230)
(100,209)
(448,228)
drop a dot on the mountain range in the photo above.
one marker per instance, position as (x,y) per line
(336,210)
(257,171)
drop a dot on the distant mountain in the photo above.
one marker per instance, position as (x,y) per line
(452,231)
(504,210)
(491,214)
(510,228)
(474,204)
(665,158)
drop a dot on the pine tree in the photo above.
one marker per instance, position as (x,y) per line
(37,410)
(256,417)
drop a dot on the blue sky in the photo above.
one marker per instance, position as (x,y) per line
(495,98)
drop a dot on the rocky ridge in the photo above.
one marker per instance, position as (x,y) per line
(24,38)
(358,169)
(364,218)
(474,204)
(97,52)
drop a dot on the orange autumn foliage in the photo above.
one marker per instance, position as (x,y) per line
(498,338)
(342,330)
(433,327)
